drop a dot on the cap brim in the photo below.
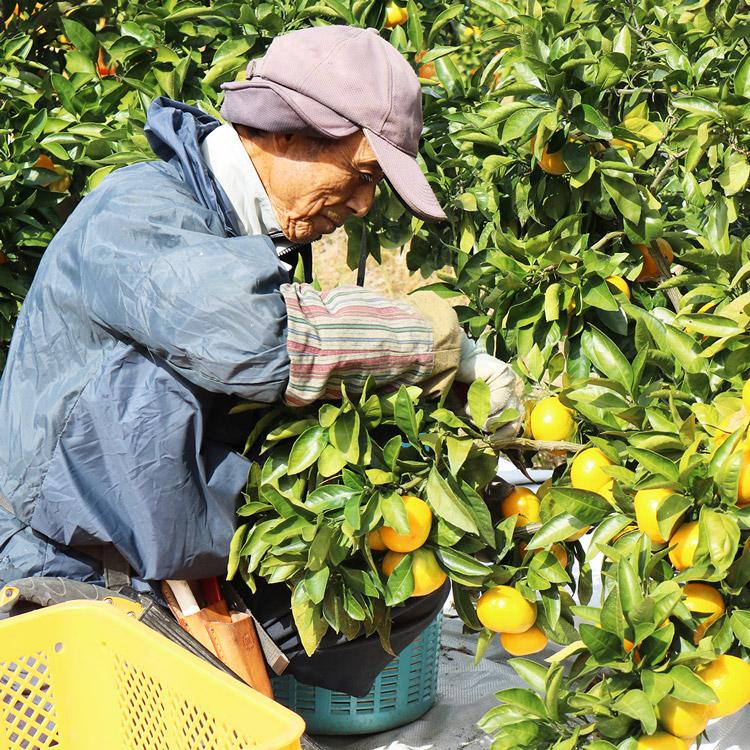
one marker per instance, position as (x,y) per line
(406,178)
(320,118)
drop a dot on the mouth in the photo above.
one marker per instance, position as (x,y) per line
(330,224)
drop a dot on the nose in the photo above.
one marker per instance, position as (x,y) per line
(361,199)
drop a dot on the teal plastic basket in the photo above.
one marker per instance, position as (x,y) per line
(405,690)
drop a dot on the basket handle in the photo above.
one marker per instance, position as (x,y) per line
(49,591)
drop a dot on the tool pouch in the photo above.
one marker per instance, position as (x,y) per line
(232,638)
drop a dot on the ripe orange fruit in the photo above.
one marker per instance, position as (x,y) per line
(102,68)
(662,741)
(375,541)
(686,539)
(649,271)
(522,644)
(428,69)
(521,501)
(503,610)
(550,420)
(551,163)
(586,470)
(55,186)
(419,517)
(395,15)
(729,677)
(620,284)
(428,575)
(704,600)
(682,719)
(647,504)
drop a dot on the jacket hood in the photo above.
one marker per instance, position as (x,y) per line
(174,131)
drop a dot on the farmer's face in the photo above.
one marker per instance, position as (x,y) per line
(316,184)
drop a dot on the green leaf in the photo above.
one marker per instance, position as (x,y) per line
(629,586)
(442,19)
(344,436)
(742,78)
(65,91)
(394,512)
(531,672)
(740,622)
(308,620)
(604,647)
(458,450)
(238,539)
(479,403)
(400,584)
(315,585)
(589,121)
(655,463)
(635,703)
(557,529)
(525,699)
(329,497)
(331,461)
(588,507)
(607,357)
(688,686)
(81,37)
(405,417)
(307,448)
(625,194)
(445,503)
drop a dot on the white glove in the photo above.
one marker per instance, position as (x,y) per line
(505,386)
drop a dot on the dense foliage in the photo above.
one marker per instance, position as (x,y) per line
(576,146)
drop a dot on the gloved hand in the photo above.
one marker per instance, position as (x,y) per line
(505,386)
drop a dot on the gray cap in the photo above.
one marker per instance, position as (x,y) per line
(333,81)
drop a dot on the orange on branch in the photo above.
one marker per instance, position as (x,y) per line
(681,718)
(620,284)
(586,470)
(647,503)
(531,641)
(650,271)
(375,541)
(661,741)
(703,599)
(551,163)
(427,573)
(729,677)
(503,609)
(419,517)
(686,541)
(521,501)
(551,420)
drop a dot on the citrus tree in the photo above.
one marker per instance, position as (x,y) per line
(592,160)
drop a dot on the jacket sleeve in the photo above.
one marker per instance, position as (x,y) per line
(350,333)
(157,271)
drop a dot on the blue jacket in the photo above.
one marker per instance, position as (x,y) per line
(147,306)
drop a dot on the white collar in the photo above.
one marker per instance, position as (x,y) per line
(225,156)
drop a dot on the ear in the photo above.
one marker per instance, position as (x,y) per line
(282,142)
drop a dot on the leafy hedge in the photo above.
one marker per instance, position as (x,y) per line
(568,141)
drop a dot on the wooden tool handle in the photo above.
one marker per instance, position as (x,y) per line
(237,645)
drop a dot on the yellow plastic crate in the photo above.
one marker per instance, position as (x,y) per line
(83,676)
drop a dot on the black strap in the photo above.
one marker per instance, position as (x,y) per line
(362,267)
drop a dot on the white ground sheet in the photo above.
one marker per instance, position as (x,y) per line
(466,692)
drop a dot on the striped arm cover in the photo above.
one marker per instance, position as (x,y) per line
(348,333)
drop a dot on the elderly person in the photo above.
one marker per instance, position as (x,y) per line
(165,298)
